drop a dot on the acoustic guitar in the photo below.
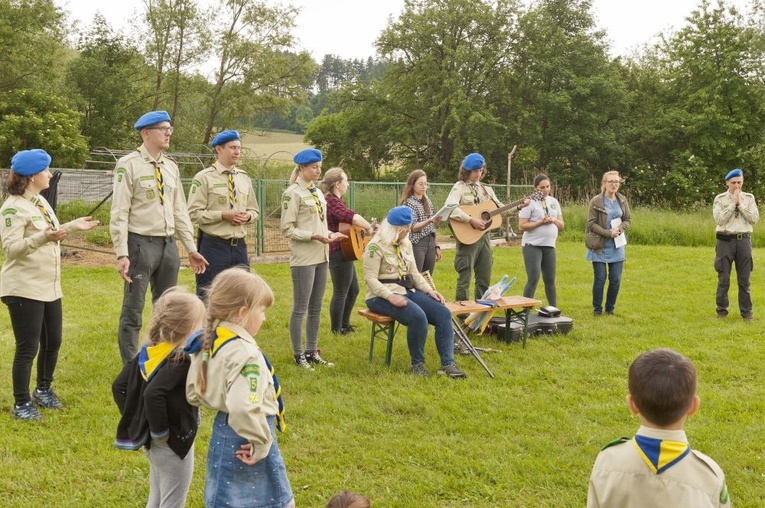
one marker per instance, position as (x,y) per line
(489,213)
(358,238)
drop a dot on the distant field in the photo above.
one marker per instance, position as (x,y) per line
(275,146)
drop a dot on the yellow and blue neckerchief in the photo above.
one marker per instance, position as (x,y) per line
(476,199)
(544,208)
(49,218)
(152,357)
(313,190)
(280,423)
(221,337)
(402,268)
(660,454)
(160,180)
(231,186)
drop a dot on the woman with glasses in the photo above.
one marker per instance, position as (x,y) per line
(423,234)
(609,216)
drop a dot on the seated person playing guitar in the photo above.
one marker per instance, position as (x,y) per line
(345,282)
(473,245)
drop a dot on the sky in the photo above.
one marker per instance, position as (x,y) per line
(348,28)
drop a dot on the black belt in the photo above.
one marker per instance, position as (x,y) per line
(726,237)
(231,242)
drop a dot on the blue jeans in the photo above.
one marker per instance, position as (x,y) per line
(614,281)
(421,310)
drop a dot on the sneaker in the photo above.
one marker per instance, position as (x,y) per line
(597,313)
(26,411)
(452,371)
(316,358)
(748,319)
(609,313)
(300,361)
(347,329)
(722,315)
(46,399)
(418,369)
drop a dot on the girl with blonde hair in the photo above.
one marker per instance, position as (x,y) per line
(151,395)
(231,374)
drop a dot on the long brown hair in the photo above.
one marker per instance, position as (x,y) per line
(409,189)
(231,290)
(16,184)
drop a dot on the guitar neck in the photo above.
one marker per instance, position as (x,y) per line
(503,209)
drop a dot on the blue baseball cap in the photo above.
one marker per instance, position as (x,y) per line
(151,118)
(224,137)
(307,156)
(734,173)
(30,162)
(473,161)
(400,216)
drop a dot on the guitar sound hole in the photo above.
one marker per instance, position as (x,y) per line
(485,216)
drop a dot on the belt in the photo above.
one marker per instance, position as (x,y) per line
(731,236)
(231,242)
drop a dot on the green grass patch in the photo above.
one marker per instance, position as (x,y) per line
(527,438)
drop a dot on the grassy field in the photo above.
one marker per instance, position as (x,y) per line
(525,439)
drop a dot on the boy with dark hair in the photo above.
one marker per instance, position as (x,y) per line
(657,467)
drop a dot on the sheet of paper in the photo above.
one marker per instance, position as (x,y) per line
(621,240)
(446,211)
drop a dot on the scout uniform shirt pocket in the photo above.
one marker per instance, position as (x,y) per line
(220,194)
(390,264)
(310,204)
(148,185)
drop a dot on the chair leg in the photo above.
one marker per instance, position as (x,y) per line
(391,329)
(372,341)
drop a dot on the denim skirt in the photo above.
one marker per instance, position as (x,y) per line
(232,483)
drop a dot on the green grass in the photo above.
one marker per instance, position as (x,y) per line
(527,438)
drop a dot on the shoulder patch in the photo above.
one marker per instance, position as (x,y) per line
(615,442)
(120,171)
(724,495)
(373,250)
(251,369)
(196,183)
(10,211)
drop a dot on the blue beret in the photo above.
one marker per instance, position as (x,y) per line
(30,162)
(473,161)
(224,137)
(400,216)
(734,173)
(307,156)
(151,118)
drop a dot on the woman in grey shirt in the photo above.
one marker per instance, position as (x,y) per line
(423,234)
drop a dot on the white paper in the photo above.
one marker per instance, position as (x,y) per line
(621,240)
(445,211)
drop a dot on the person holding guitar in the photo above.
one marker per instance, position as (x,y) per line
(345,282)
(304,222)
(474,257)
(423,234)
(540,223)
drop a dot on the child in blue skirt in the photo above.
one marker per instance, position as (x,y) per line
(230,373)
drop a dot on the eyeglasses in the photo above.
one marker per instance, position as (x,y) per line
(612,182)
(167,130)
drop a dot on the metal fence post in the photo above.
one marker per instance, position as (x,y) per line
(261,223)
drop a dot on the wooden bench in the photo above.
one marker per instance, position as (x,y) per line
(385,327)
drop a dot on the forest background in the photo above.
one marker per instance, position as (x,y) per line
(450,77)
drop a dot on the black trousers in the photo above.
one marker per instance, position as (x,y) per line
(36,325)
(345,289)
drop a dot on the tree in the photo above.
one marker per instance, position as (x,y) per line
(566,97)
(255,71)
(31,35)
(176,38)
(36,119)
(110,85)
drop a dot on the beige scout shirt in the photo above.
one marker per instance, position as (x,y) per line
(301,220)
(725,215)
(621,479)
(461,194)
(32,267)
(381,265)
(135,203)
(208,199)
(238,383)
